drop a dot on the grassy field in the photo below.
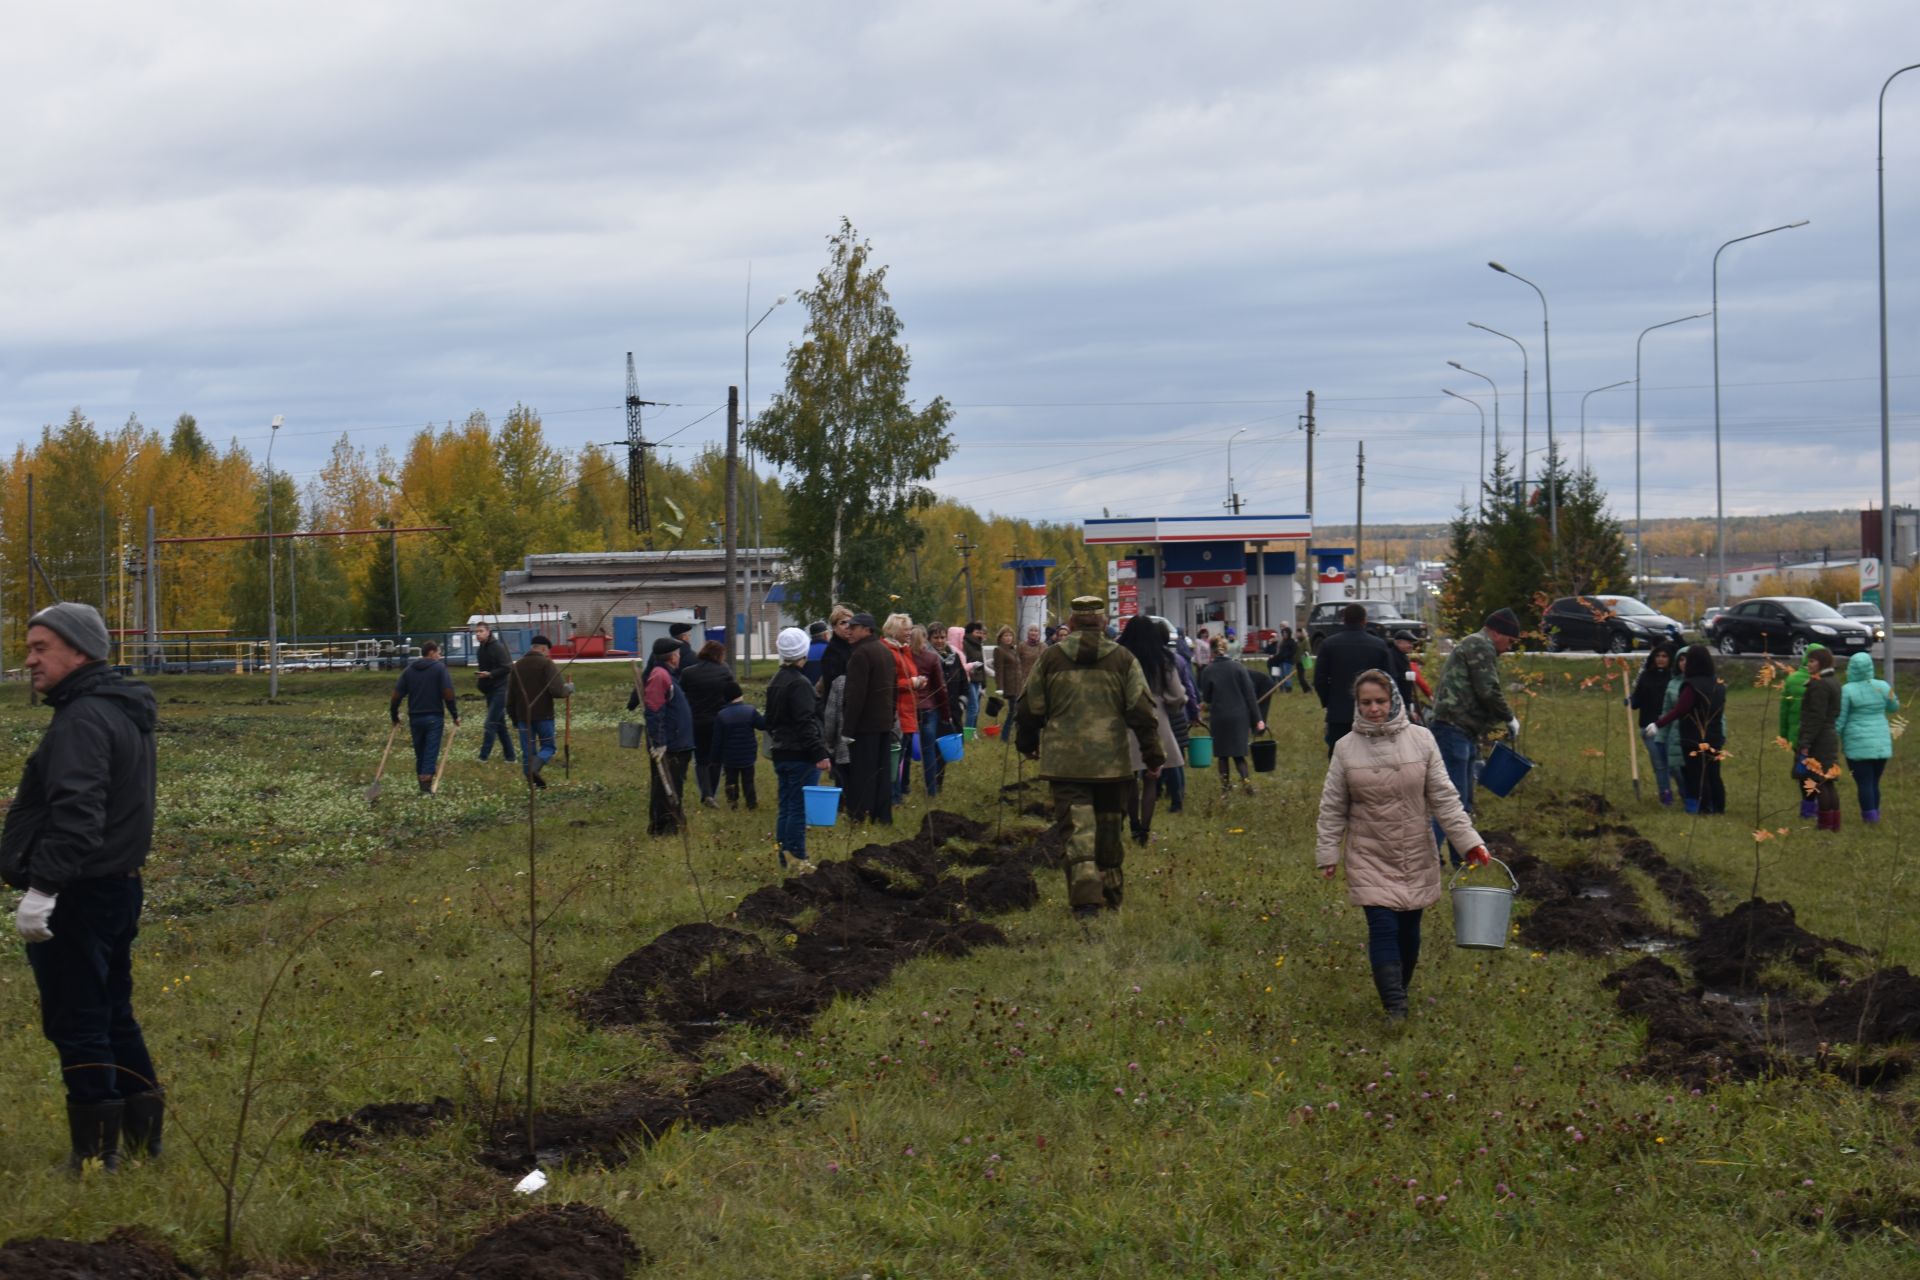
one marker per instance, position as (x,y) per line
(1201,1086)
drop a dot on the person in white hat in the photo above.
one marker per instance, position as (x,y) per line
(794,739)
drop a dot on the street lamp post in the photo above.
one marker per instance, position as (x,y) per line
(746,416)
(1719,492)
(1525,395)
(1583,416)
(1231,503)
(1886,438)
(1496,426)
(104,486)
(1639,542)
(273,616)
(1546,342)
(1483,438)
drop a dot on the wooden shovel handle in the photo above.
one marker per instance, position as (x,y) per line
(391,735)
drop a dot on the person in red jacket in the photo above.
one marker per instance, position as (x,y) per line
(932,707)
(897,634)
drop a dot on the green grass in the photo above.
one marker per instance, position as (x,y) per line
(1203,1087)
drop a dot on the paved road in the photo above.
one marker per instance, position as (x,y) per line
(1906,651)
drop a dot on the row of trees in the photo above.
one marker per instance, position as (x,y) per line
(1504,556)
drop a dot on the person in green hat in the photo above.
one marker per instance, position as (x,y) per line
(1083,698)
(1792,694)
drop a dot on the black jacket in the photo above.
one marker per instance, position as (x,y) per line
(833,665)
(705,684)
(735,740)
(870,695)
(793,723)
(494,665)
(428,688)
(1344,656)
(85,805)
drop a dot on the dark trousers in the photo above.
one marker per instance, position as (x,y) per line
(1336,730)
(497,726)
(740,779)
(1458,751)
(706,765)
(85,976)
(790,827)
(1866,777)
(665,811)
(1700,780)
(1239,762)
(1393,937)
(1173,784)
(933,766)
(869,792)
(426,743)
(536,743)
(1143,793)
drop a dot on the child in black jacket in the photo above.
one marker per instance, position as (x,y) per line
(736,745)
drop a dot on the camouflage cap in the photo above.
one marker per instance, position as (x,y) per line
(1089,604)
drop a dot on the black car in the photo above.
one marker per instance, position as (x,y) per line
(1605,624)
(1383,619)
(1788,624)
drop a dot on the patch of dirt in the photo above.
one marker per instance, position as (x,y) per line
(699,980)
(553,1242)
(1006,887)
(1596,911)
(1732,949)
(606,1131)
(1880,1008)
(939,826)
(126,1254)
(379,1119)
(1698,1042)
(1680,888)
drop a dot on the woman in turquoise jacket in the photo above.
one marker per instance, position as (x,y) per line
(1865,704)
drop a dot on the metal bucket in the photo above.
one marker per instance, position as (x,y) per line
(631,733)
(1482,914)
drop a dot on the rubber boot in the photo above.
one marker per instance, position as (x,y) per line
(141,1127)
(95,1132)
(1809,808)
(1691,805)
(1870,816)
(1666,797)
(1393,990)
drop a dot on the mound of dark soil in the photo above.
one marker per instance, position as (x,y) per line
(699,980)
(1540,881)
(1006,887)
(553,1242)
(126,1254)
(1700,1042)
(1680,888)
(607,1130)
(1731,950)
(939,826)
(1881,1008)
(1596,911)
(379,1119)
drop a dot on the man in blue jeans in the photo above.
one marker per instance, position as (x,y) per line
(1469,704)
(77,833)
(490,655)
(532,685)
(428,689)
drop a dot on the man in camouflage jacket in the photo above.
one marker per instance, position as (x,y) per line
(1469,705)
(1081,700)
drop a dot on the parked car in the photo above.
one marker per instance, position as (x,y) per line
(1787,624)
(1383,619)
(1868,614)
(1707,619)
(1606,624)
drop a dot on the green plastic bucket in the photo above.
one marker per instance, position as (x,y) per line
(1200,750)
(972,734)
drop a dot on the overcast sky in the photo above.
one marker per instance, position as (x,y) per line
(1117,233)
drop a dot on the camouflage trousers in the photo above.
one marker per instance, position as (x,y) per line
(1092,816)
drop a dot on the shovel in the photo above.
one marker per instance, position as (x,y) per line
(373,791)
(1633,750)
(446,754)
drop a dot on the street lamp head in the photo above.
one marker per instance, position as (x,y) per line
(1497,267)
(1456,364)
(1801,223)
(780,301)
(278,418)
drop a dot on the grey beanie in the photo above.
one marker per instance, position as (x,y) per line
(78,624)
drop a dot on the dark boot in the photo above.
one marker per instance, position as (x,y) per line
(140,1128)
(1809,808)
(1870,816)
(95,1131)
(1392,988)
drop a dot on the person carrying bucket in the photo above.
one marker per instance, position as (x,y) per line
(1469,704)
(795,742)
(1385,780)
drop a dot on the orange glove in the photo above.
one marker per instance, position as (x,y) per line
(1478,856)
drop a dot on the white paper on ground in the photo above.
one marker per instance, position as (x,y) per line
(533,1182)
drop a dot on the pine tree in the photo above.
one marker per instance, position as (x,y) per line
(1593,550)
(1460,611)
(859,451)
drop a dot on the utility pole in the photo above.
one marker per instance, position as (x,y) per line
(1359,509)
(733,505)
(966,547)
(393,548)
(33,699)
(153,598)
(1312,575)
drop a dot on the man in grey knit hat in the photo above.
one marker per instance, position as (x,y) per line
(76,835)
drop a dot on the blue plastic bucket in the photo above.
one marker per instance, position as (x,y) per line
(1504,769)
(1200,750)
(952,747)
(823,806)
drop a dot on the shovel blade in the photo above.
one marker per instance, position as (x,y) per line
(373,794)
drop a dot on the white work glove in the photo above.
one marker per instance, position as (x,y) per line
(1652,731)
(34,919)
(569,688)
(1513,727)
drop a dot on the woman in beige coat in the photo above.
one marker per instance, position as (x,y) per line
(1386,779)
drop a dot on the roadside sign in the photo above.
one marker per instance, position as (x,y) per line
(1870,574)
